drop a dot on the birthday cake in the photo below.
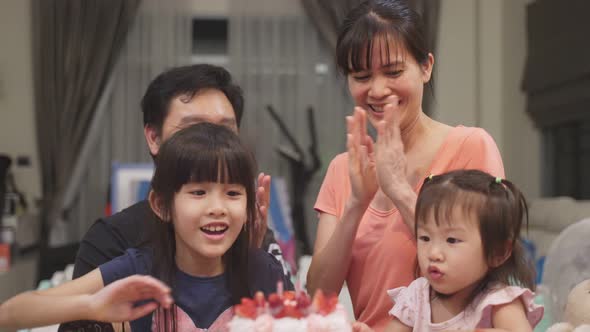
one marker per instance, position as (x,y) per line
(290,311)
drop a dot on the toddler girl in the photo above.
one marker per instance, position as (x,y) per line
(475,273)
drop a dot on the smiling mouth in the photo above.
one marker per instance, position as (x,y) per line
(380,109)
(214,229)
(376,109)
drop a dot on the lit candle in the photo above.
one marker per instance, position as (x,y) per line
(280,288)
(297,287)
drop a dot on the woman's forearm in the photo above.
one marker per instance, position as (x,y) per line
(405,202)
(329,265)
(33,309)
(404,198)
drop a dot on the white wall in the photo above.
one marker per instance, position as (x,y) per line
(478,69)
(17,127)
(522,148)
(455,64)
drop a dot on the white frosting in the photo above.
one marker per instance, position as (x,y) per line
(241,324)
(289,324)
(336,321)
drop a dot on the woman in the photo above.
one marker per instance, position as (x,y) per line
(366,203)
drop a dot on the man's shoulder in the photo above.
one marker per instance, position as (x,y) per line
(122,230)
(136,213)
(266,270)
(260,260)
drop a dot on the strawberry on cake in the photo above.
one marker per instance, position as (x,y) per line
(290,311)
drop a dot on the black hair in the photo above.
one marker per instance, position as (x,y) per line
(386,20)
(187,81)
(500,209)
(202,152)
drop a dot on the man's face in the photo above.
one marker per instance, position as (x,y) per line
(209,105)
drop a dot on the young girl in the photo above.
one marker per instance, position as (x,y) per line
(203,194)
(471,258)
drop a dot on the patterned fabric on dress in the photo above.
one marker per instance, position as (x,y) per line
(412,307)
(185,324)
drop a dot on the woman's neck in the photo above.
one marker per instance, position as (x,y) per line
(414,132)
(197,265)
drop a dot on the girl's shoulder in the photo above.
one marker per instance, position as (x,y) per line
(410,301)
(133,261)
(411,294)
(502,294)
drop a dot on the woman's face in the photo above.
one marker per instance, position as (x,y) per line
(394,77)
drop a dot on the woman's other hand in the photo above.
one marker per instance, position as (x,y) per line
(263,203)
(361,159)
(390,158)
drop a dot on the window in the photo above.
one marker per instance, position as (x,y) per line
(209,40)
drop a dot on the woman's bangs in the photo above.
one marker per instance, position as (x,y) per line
(357,47)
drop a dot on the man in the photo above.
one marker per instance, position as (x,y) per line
(173,100)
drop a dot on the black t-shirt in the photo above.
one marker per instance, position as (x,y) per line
(110,237)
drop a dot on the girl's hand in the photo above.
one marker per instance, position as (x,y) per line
(117,301)
(361,160)
(263,203)
(360,327)
(389,155)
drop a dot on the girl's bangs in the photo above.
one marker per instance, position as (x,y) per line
(442,201)
(222,166)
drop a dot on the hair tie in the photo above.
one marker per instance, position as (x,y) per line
(498,180)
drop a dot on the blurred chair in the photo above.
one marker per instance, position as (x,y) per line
(567,264)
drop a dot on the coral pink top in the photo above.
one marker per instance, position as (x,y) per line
(384,250)
(412,307)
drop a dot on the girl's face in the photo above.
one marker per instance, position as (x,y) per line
(208,217)
(397,79)
(451,254)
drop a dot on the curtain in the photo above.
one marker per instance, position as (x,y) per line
(278,59)
(159,38)
(556,81)
(327,15)
(76,44)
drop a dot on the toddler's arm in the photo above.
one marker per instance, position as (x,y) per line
(85,299)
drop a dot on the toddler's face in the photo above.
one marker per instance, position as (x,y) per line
(451,254)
